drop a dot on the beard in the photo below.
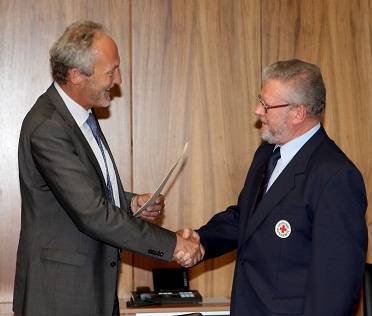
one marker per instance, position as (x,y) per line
(98,93)
(101,99)
(273,135)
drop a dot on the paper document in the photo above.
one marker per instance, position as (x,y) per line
(155,195)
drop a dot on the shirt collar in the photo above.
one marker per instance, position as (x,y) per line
(288,150)
(79,114)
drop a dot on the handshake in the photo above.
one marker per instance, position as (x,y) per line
(189,251)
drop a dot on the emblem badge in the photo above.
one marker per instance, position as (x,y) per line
(283,229)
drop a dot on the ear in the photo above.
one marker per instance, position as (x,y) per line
(300,114)
(76,77)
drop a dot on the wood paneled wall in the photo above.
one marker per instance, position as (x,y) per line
(196,71)
(191,71)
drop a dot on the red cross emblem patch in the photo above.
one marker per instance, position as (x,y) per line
(283,229)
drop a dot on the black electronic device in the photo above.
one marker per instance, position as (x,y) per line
(170,280)
(171,287)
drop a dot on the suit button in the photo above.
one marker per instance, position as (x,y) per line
(113,264)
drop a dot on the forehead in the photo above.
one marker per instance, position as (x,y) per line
(274,90)
(105,51)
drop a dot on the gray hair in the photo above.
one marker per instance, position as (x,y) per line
(305,83)
(74,50)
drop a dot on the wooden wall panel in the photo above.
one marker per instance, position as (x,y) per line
(27,30)
(336,35)
(196,71)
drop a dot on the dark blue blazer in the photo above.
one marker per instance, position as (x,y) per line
(318,268)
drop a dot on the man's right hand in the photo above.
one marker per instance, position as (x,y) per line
(189,251)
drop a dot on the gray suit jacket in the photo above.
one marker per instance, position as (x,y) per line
(67,261)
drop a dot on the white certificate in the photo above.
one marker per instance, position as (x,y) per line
(155,195)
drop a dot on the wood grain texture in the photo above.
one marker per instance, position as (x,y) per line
(196,71)
(191,70)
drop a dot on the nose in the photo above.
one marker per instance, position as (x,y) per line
(259,111)
(117,77)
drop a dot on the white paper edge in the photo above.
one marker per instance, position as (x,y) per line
(155,195)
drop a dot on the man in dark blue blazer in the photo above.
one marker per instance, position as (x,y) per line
(300,232)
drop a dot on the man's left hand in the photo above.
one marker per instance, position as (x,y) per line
(151,213)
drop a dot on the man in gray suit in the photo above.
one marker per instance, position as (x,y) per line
(76,215)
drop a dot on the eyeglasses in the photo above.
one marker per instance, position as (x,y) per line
(268,107)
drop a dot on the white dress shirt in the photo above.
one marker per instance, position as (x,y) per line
(80,116)
(288,151)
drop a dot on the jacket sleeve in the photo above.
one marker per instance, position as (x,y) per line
(339,244)
(220,234)
(77,186)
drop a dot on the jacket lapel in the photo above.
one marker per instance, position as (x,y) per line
(284,183)
(249,194)
(68,118)
(257,177)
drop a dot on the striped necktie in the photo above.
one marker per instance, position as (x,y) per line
(92,123)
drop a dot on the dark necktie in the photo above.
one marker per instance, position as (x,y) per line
(275,156)
(92,123)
